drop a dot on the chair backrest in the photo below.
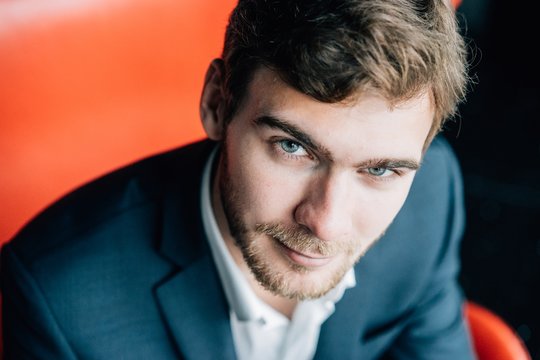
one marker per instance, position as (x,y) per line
(493,338)
(89,85)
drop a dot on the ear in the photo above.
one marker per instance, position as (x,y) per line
(212,105)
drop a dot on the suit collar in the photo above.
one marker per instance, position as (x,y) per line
(198,322)
(192,300)
(182,234)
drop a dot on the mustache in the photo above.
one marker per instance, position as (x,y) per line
(302,240)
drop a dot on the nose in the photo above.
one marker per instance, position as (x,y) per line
(326,207)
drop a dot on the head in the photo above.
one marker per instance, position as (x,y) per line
(324,110)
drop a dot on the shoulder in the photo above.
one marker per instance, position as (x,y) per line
(434,206)
(127,198)
(436,200)
(424,238)
(440,165)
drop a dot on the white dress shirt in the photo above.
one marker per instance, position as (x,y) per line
(259,331)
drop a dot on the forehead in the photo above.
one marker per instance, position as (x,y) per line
(267,89)
(368,125)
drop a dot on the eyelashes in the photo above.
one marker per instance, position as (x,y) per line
(289,149)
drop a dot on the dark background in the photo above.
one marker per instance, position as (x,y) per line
(497,140)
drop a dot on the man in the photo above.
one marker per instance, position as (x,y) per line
(303,228)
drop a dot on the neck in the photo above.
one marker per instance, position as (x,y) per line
(279,303)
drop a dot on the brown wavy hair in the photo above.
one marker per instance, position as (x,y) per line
(336,50)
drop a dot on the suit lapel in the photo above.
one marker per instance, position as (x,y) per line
(340,333)
(192,300)
(369,317)
(196,312)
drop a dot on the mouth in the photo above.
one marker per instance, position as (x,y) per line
(303,259)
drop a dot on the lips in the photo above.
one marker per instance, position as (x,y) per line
(305,260)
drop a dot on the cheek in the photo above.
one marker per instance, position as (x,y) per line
(266,192)
(273,192)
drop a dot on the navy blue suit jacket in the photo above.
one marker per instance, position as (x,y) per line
(120,269)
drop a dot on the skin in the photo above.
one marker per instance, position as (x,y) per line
(304,188)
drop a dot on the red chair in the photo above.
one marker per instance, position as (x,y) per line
(492,337)
(90,85)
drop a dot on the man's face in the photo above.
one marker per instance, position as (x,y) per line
(304,188)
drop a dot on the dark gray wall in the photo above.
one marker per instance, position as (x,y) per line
(497,141)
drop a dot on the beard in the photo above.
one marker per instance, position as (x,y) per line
(289,280)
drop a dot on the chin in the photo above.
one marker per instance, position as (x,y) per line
(285,278)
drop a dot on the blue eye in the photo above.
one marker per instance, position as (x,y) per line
(379,171)
(292,147)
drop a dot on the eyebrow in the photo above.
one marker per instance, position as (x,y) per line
(294,131)
(301,136)
(390,164)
